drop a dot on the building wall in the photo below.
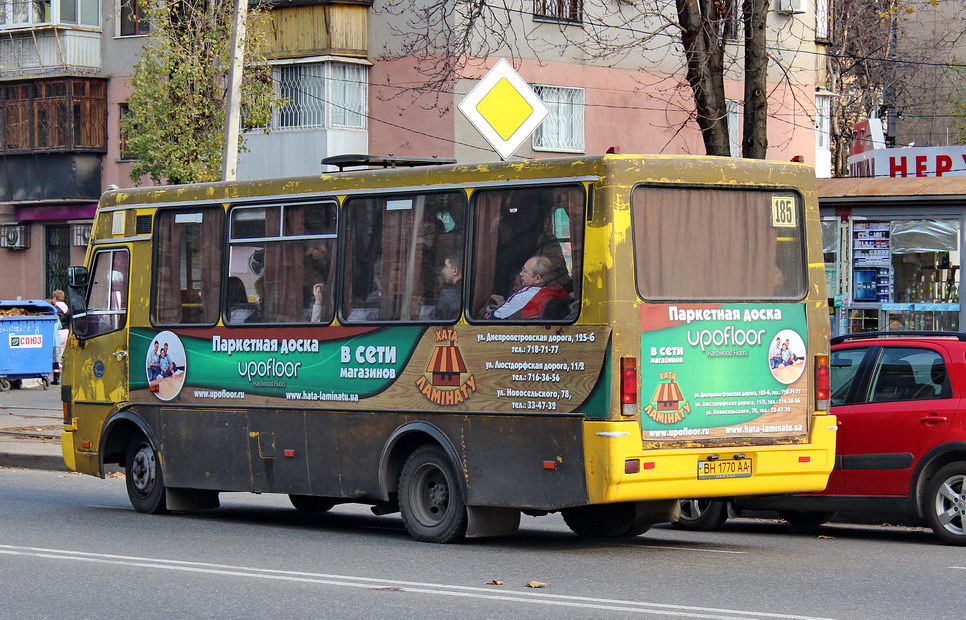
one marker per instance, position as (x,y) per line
(617,113)
(637,101)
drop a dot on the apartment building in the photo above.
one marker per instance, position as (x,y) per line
(353,75)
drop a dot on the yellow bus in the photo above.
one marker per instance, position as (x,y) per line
(598,336)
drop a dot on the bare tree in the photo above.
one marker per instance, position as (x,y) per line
(896,60)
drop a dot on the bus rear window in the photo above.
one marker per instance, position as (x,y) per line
(718,244)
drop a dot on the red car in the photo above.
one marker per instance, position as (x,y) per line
(901,446)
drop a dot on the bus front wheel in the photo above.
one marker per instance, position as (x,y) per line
(431,498)
(605,521)
(144,479)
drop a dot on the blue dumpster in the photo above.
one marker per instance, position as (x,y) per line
(27,332)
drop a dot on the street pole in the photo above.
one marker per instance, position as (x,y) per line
(229,159)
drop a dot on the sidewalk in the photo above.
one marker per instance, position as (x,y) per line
(31,420)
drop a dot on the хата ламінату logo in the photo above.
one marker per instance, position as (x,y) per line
(446,380)
(668,405)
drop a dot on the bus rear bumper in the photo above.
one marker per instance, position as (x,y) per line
(619,470)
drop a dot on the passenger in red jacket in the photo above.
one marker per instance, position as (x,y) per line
(527,302)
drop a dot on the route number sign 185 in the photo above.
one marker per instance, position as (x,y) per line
(783,212)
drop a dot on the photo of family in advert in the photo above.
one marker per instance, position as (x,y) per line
(786,356)
(165,365)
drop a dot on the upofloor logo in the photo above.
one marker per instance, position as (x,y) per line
(26,341)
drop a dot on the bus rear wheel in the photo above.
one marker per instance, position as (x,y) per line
(605,521)
(431,498)
(144,479)
(803,518)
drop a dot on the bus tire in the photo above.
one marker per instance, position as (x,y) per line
(144,478)
(945,504)
(604,521)
(431,498)
(4,384)
(311,504)
(702,515)
(806,518)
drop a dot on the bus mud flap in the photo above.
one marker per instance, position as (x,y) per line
(489,521)
(179,500)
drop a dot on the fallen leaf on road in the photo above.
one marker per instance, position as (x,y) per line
(536,584)
(823,537)
(495,582)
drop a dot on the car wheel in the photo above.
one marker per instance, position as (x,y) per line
(702,515)
(806,518)
(604,521)
(431,498)
(946,504)
(144,478)
(311,503)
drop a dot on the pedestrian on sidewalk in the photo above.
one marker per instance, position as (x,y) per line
(61,330)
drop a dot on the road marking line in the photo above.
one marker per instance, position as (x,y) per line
(538,598)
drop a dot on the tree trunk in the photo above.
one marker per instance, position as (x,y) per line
(701,34)
(754,139)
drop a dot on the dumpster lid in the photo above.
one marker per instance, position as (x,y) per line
(32,306)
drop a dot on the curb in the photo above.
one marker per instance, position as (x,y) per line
(46,462)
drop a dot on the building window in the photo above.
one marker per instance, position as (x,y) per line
(348,95)
(563,129)
(318,91)
(134,19)
(123,153)
(731,20)
(53,115)
(734,127)
(569,10)
(823,121)
(303,87)
(83,12)
(821,20)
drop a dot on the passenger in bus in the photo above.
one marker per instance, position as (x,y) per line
(528,301)
(238,307)
(450,301)
(318,303)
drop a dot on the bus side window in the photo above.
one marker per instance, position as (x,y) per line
(280,264)
(542,223)
(188,256)
(396,248)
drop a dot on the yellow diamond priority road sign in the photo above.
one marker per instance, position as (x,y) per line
(504,108)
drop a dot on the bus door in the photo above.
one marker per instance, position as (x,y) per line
(100,381)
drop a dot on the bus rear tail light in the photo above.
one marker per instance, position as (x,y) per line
(823,384)
(628,386)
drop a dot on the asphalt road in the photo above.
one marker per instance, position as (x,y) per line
(71,547)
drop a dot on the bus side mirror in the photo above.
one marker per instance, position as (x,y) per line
(78,277)
(77,280)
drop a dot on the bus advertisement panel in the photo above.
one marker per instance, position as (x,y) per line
(454,368)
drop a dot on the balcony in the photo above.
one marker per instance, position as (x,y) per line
(49,51)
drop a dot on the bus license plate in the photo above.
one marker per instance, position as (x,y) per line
(733,468)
